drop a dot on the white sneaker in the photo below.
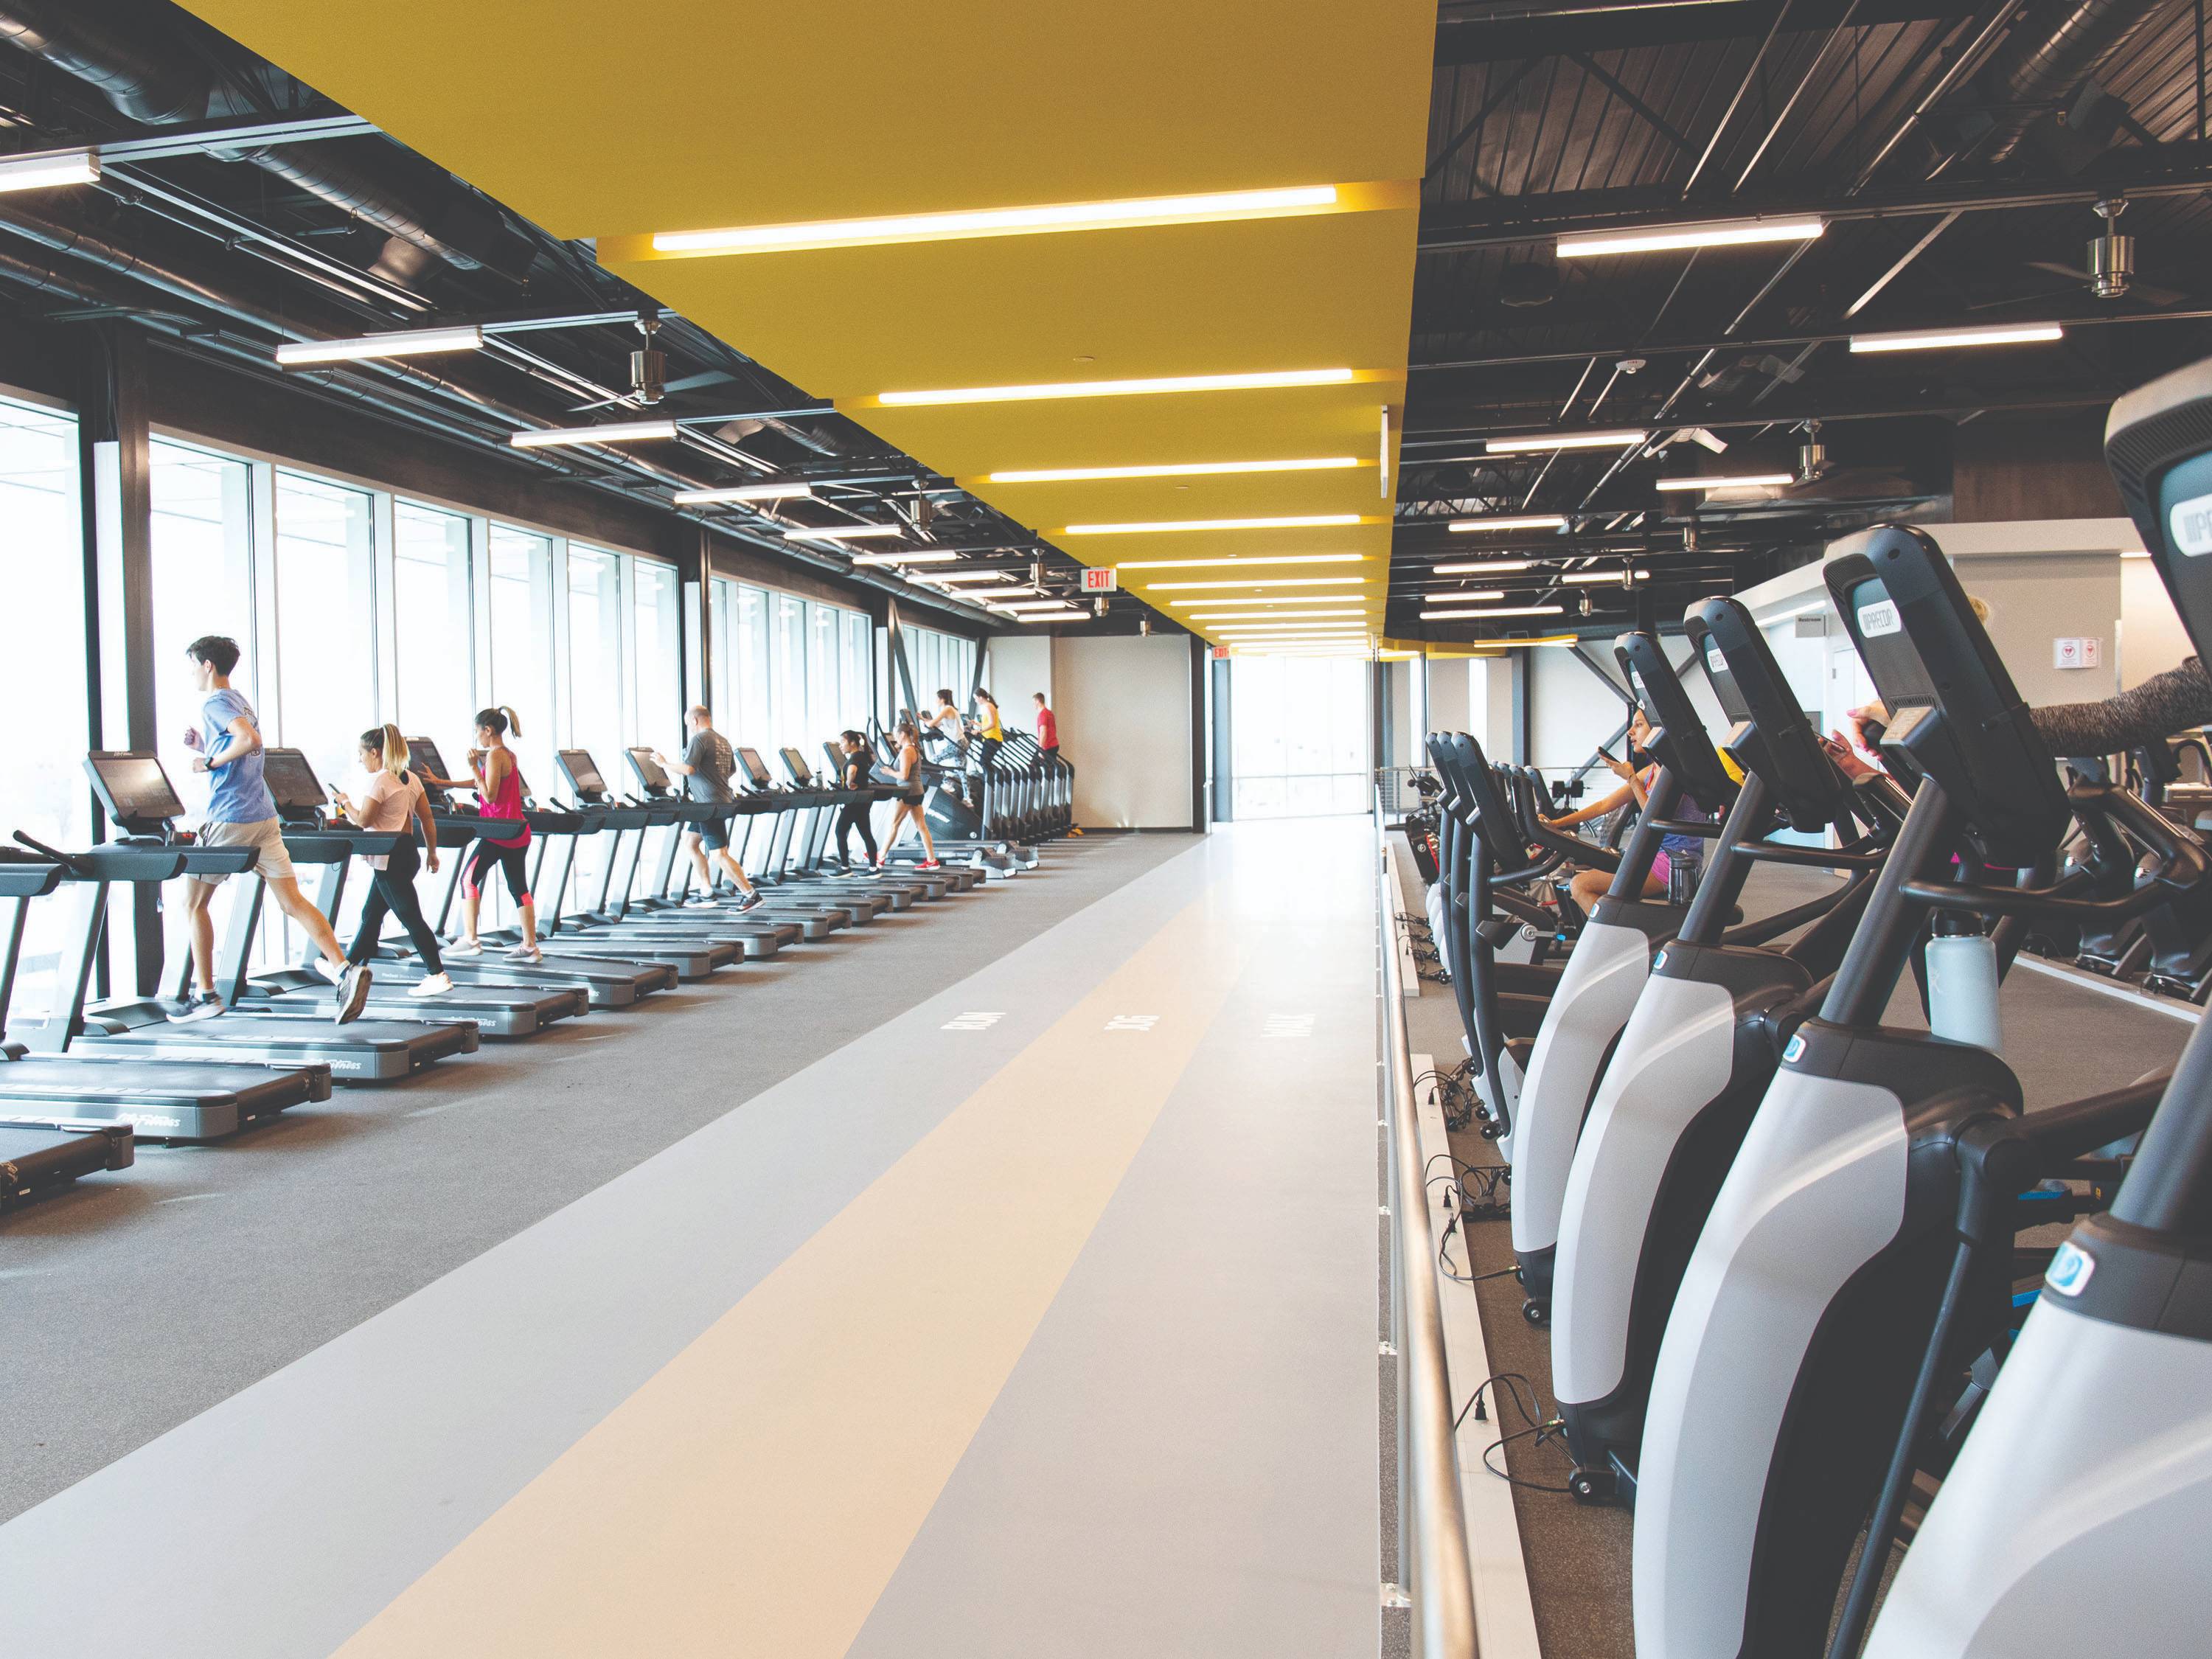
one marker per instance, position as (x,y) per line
(525,953)
(334,975)
(436,986)
(466,947)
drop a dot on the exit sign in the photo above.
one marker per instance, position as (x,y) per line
(1221,653)
(1100,580)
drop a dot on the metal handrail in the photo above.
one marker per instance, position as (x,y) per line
(1433,1565)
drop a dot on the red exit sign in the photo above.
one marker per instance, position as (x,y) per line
(1101,579)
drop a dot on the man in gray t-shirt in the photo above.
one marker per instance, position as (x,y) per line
(706,768)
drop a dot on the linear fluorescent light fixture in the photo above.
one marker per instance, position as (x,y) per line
(403,343)
(1494,611)
(951,576)
(50,169)
(959,226)
(1605,578)
(1208,619)
(1260,581)
(760,492)
(1746,480)
(1175,470)
(1537,442)
(1010,394)
(1039,603)
(1242,558)
(844,533)
(1660,238)
(1073,613)
(1939,339)
(621,432)
(1472,596)
(1269,599)
(1164,527)
(1481,568)
(1524,521)
(904,558)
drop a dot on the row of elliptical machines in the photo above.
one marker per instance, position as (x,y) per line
(1794,1320)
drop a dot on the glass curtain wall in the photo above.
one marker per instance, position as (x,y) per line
(520,674)
(1299,736)
(596,720)
(325,620)
(42,571)
(434,621)
(657,654)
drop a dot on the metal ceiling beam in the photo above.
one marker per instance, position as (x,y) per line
(1778,341)
(2181,169)
(198,138)
(1500,34)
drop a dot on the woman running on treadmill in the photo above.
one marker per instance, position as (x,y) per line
(909,799)
(395,800)
(1589,886)
(499,791)
(852,775)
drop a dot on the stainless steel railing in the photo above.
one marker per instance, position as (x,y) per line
(1433,1568)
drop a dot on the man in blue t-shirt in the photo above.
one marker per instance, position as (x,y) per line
(241,813)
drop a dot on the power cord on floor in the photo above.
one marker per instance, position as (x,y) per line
(1541,1428)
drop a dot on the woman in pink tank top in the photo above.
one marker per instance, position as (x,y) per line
(504,838)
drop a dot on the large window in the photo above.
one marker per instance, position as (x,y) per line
(42,570)
(825,710)
(521,666)
(433,624)
(595,658)
(787,720)
(203,555)
(855,657)
(657,653)
(326,619)
(1299,736)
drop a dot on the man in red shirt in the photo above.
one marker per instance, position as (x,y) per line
(1048,727)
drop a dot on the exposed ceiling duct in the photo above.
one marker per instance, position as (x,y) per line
(156,79)
(2048,57)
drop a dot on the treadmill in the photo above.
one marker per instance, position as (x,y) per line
(609,981)
(557,833)
(758,934)
(40,1154)
(816,803)
(499,1010)
(137,791)
(51,1074)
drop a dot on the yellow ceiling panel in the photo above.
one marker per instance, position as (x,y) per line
(682,114)
(1334,289)
(695,114)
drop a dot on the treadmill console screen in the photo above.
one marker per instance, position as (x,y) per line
(751,760)
(133,786)
(423,756)
(651,776)
(292,781)
(795,764)
(582,773)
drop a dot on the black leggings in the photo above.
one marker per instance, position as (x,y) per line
(855,817)
(512,862)
(391,889)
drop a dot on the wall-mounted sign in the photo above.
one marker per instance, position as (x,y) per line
(2075,652)
(1101,578)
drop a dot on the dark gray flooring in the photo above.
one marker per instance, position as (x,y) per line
(142,1298)
(2063,1041)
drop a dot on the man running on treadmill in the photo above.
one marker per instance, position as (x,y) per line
(241,812)
(706,768)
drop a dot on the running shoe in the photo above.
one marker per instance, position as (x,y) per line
(930,864)
(205,1006)
(353,991)
(702,904)
(436,986)
(333,971)
(751,901)
(466,947)
(529,953)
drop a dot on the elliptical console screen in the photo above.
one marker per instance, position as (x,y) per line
(650,774)
(136,787)
(292,781)
(583,775)
(751,760)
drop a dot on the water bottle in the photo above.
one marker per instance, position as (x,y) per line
(1962,990)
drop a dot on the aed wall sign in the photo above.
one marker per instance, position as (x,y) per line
(1100,580)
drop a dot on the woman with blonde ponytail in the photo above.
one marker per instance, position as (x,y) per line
(395,801)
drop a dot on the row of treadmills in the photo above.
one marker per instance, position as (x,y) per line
(80,1087)
(1802,1315)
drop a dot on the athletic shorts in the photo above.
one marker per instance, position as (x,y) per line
(268,835)
(713,833)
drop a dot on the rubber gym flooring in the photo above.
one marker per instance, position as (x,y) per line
(1002,1285)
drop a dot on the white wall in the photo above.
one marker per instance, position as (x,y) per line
(1015,668)
(1123,704)
(2152,638)
(1448,708)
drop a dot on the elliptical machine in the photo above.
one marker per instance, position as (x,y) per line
(1859,1256)
(1605,972)
(2078,1517)
(1700,1050)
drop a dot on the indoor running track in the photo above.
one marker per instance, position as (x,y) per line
(1040,1320)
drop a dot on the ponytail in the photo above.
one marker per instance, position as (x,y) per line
(387,742)
(513,720)
(500,721)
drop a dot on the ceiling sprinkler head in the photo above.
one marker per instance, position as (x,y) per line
(1629,364)
(1098,606)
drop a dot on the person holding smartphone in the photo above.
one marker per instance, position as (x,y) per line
(395,800)
(1589,886)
